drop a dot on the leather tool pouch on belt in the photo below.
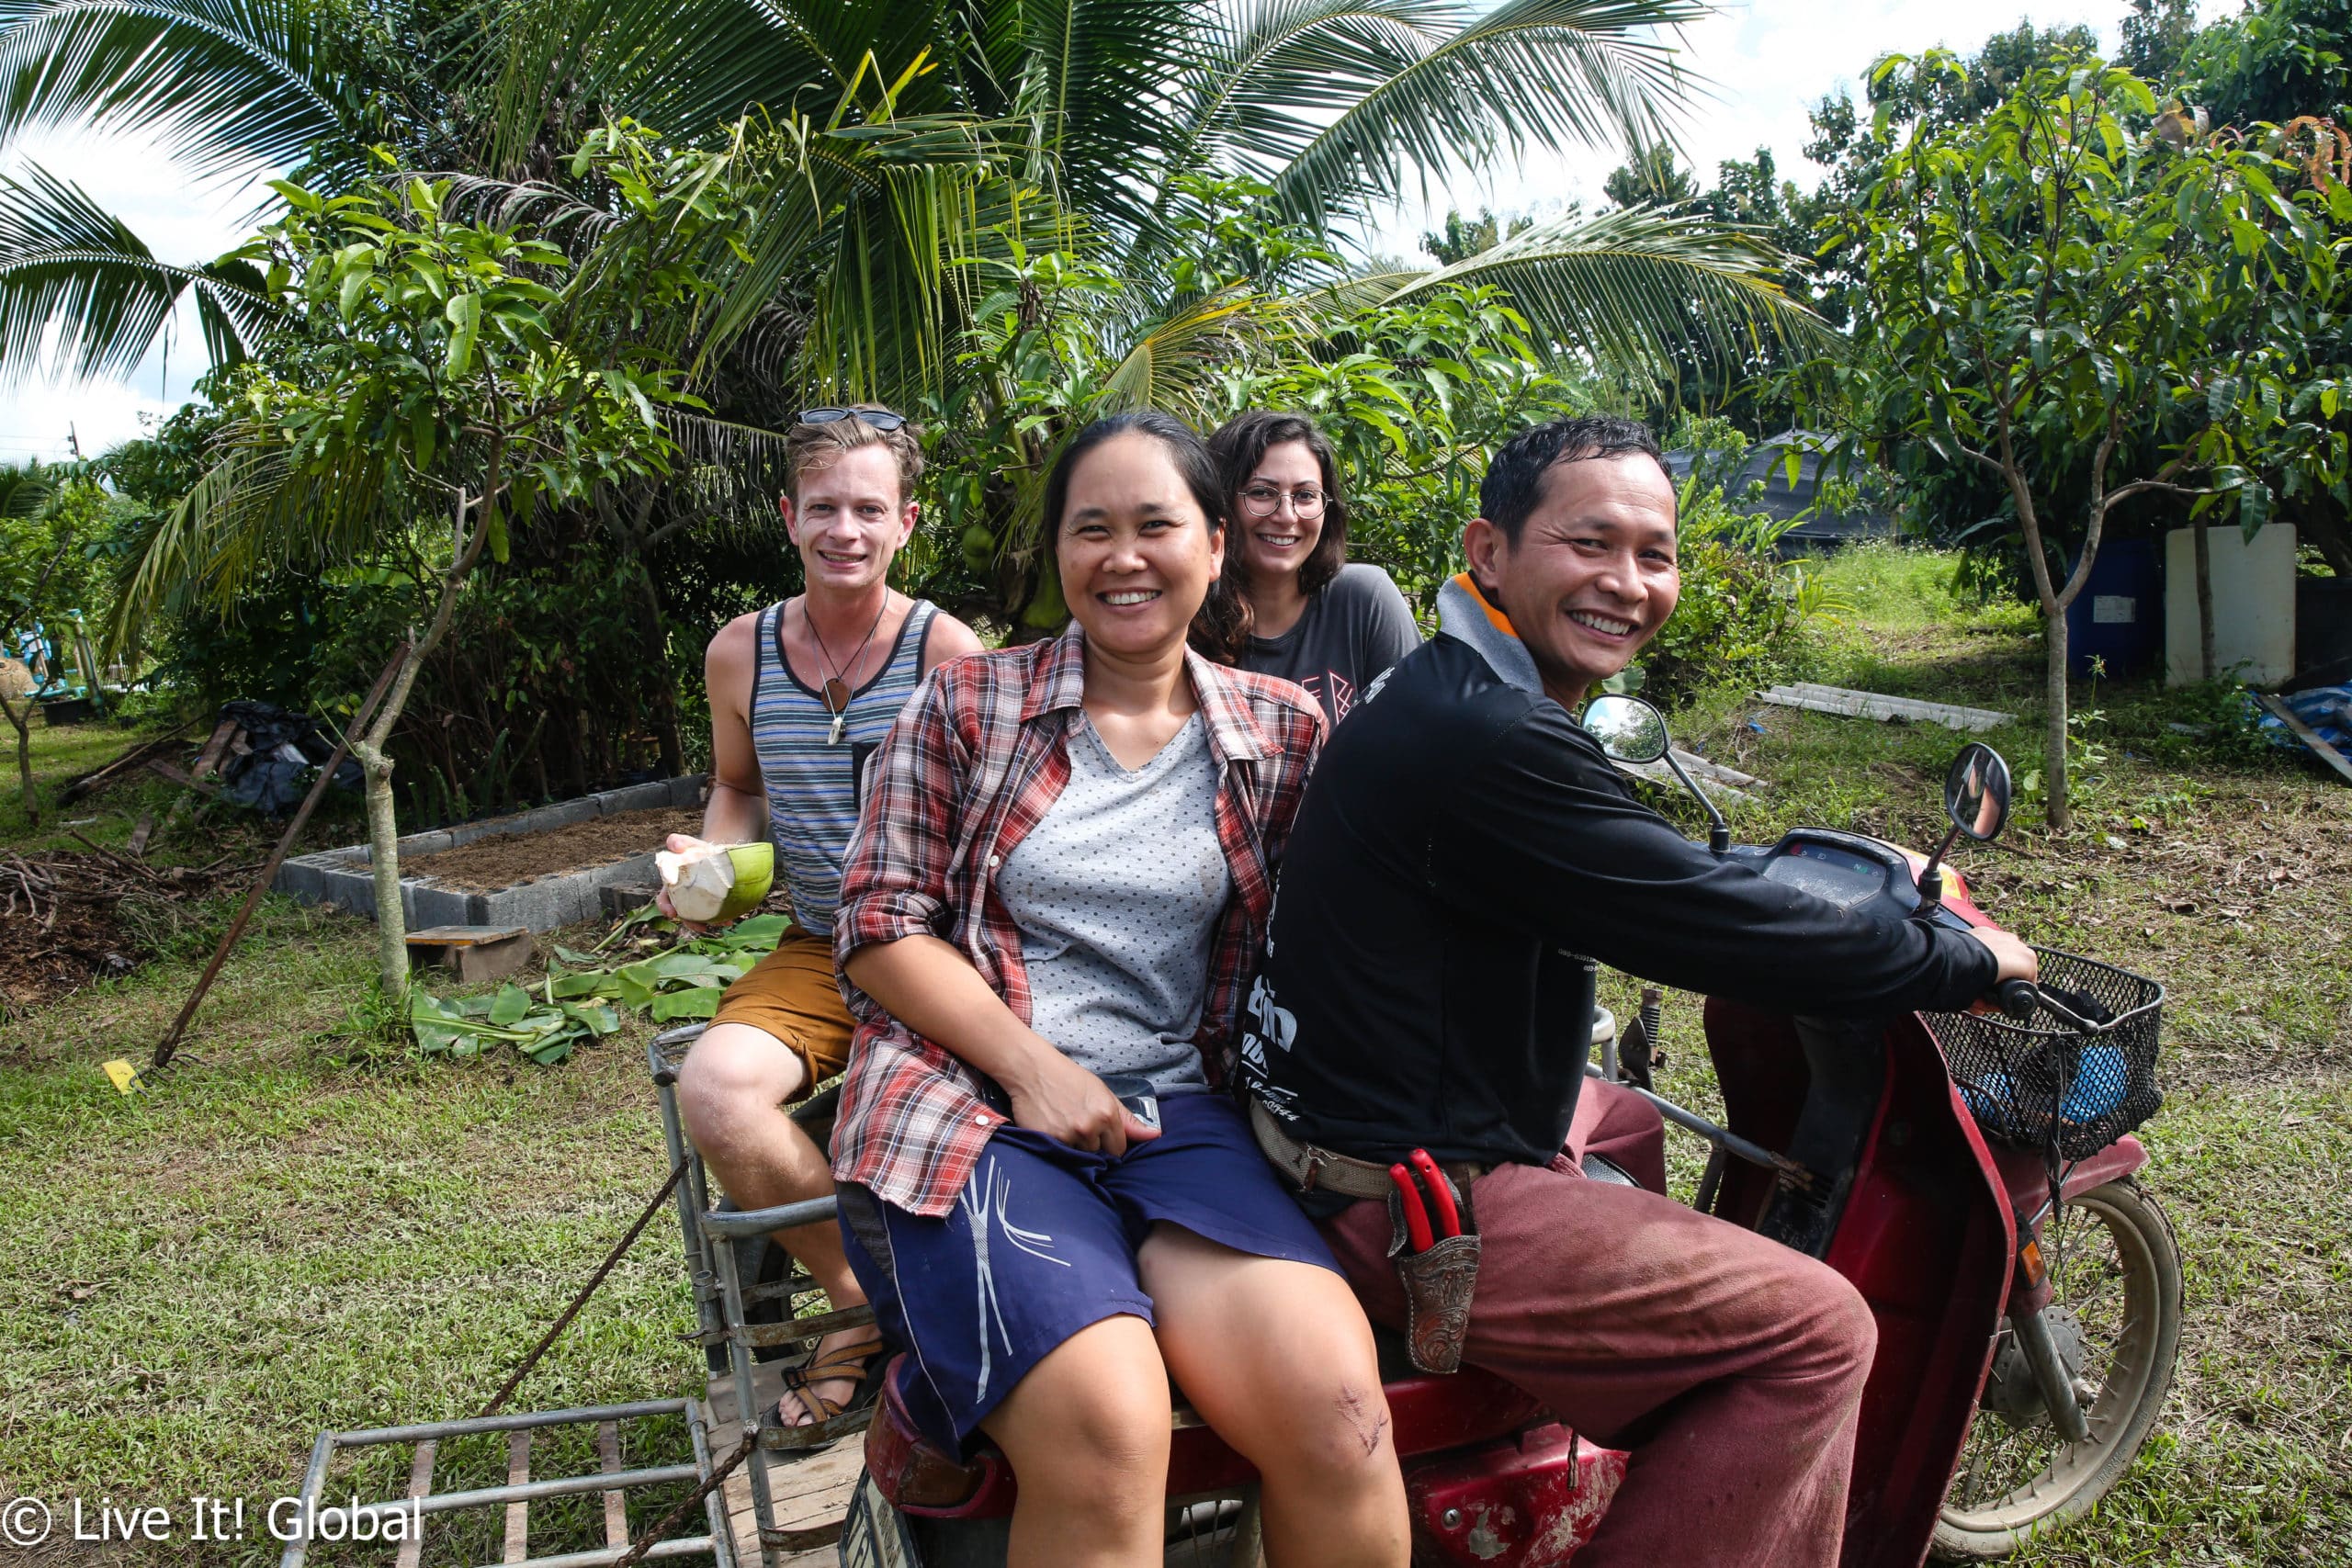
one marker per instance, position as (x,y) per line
(1438,1283)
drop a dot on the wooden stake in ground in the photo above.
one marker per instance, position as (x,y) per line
(170,1041)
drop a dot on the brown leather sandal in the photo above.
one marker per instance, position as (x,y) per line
(865,1362)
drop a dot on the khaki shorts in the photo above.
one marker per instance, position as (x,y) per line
(793,995)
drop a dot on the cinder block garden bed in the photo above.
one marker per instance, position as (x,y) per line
(540,869)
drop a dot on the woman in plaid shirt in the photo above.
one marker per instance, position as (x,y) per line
(1064,865)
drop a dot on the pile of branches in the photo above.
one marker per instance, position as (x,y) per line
(70,917)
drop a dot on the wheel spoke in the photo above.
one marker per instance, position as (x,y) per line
(2103,1298)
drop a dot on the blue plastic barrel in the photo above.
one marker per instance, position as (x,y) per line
(2119,617)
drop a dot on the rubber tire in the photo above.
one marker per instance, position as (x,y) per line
(2144,1218)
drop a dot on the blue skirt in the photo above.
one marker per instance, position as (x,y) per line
(1041,1243)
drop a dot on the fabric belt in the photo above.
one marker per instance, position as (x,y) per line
(1314,1170)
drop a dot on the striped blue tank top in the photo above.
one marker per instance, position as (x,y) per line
(811,779)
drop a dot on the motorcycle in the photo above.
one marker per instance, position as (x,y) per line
(1973,1174)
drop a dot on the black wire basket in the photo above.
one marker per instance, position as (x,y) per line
(2049,1079)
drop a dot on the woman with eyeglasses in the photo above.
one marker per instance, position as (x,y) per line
(1064,868)
(1332,626)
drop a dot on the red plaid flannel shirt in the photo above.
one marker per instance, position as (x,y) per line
(966,772)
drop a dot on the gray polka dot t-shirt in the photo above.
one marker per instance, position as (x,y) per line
(1117,892)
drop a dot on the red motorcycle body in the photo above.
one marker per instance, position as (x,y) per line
(1919,1214)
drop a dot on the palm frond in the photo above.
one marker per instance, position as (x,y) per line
(1640,289)
(1338,102)
(693,67)
(1169,365)
(254,512)
(868,219)
(223,83)
(725,477)
(1096,81)
(67,264)
(24,490)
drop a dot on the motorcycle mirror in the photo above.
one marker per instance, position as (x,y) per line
(1629,729)
(1976,792)
(1633,732)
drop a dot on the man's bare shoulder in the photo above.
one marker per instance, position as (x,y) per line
(947,639)
(737,643)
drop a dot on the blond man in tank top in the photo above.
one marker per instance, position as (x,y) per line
(800,693)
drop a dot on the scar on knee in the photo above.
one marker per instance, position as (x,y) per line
(1366,1421)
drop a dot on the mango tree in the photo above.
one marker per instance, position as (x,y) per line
(432,380)
(2082,297)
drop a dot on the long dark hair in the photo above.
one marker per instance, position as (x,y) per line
(1221,628)
(1240,444)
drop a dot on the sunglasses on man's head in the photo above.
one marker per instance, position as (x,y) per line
(880,419)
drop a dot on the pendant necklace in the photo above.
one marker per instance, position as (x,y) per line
(836,690)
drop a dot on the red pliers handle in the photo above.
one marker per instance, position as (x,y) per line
(1417,1218)
(1449,1219)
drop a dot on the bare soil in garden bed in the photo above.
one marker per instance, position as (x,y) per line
(488,864)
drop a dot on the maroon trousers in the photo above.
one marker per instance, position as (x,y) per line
(1730,1366)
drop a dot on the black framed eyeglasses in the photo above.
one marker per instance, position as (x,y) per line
(1264,501)
(880,419)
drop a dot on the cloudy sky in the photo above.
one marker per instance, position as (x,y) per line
(1769,59)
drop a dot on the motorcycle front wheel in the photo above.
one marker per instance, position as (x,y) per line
(2115,1312)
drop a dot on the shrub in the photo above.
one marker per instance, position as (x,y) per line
(1741,610)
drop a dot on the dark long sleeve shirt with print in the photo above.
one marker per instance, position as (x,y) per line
(1464,850)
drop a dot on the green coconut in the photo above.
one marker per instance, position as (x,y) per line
(716,882)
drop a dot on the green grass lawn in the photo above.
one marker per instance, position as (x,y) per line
(298,1231)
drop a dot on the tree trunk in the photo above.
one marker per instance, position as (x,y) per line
(23,723)
(384,862)
(2204,546)
(383,830)
(2061,814)
(665,697)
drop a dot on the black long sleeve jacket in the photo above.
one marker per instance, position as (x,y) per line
(1464,850)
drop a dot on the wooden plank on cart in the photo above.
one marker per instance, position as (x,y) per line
(608,1459)
(1875,704)
(420,1485)
(809,1492)
(812,1494)
(518,1515)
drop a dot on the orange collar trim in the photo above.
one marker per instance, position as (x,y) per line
(1501,622)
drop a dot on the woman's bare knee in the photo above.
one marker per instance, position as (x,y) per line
(1087,1429)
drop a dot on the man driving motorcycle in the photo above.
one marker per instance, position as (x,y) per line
(1464,854)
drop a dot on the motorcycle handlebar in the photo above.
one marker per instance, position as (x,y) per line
(2017,997)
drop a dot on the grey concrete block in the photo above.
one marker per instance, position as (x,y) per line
(306,884)
(619,899)
(426,905)
(564,814)
(637,868)
(687,790)
(493,827)
(427,843)
(542,906)
(636,797)
(356,893)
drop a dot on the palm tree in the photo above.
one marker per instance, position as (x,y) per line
(1098,124)
(1101,112)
